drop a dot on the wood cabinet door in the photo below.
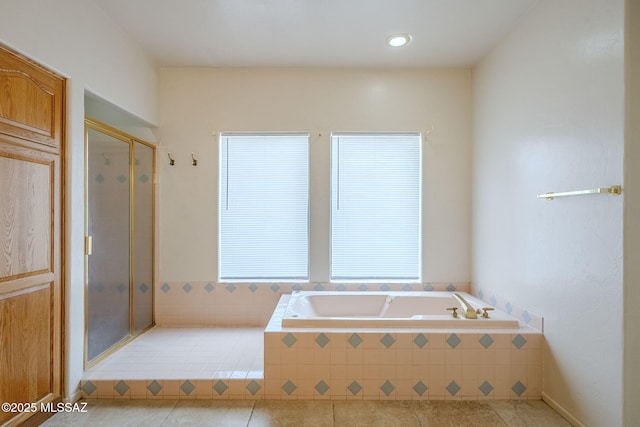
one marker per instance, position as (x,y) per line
(30,239)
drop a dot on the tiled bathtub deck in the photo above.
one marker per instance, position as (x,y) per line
(401,364)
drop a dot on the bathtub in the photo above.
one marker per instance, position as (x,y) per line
(311,309)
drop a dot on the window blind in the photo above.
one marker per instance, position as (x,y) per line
(264,207)
(375,206)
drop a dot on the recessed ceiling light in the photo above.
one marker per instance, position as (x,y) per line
(398,40)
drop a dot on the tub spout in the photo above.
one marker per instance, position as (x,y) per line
(469,311)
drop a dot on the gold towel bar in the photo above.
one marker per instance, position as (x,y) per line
(613,190)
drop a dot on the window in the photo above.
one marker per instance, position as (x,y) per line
(264,207)
(375,206)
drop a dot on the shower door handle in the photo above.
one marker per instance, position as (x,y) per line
(88,245)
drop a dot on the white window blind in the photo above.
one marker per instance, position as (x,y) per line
(375,206)
(264,207)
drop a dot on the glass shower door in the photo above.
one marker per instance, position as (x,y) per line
(143,172)
(108,217)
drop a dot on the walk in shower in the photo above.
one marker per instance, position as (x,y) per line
(119,242)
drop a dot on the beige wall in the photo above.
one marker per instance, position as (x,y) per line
(195,102)
(76,39)
(549,116)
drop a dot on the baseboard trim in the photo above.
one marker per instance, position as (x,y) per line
(73,398)
(559,409)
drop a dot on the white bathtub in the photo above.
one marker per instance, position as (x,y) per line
(310,309)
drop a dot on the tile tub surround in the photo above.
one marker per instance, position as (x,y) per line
(252,304)
(407,364)
(525,316)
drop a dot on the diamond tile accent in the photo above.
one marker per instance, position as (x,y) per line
(384,287)
(318,287)
(387,340)
(100,178)
(341,287)
(526,317)
(187,387)
(420,340)
(519,341)
(154,387)
(481,294)
(453,341)
(518,388)
(453,388)
(121,388)
(354,340)
(508,308)
(289,387)
(486,388)
(322,387)
(363,288)
(208,287)
(354,388)
(289,339)
(165,288)
(144,178)
(89,388)
(220,387)
(428,287)
(322,340)
(253,287)
(275,288)
(297,287)
(253,387)
(420,388)
(143,288)
(407,287)
(122,179)
(494,300)
(121,287)
(231,287)
(486,341)
(387,388)
(187,288)
(451,287)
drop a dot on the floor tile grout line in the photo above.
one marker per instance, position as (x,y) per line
(333,413)
(253,408)
(498,415)
(173,408)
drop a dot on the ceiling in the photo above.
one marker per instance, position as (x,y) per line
(315,33)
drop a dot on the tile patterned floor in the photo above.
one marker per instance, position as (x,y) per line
(260,413)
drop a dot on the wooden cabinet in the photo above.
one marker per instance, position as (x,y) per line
(31,293)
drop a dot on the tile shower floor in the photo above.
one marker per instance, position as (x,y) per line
(179,353)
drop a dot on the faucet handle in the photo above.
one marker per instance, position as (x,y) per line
(485,314)
(455,312)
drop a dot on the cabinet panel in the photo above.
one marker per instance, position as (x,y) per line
(25,349)
(40,119)
(25,222)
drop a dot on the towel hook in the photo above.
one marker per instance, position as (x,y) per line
(171,161)
(428,132)
(194,161)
